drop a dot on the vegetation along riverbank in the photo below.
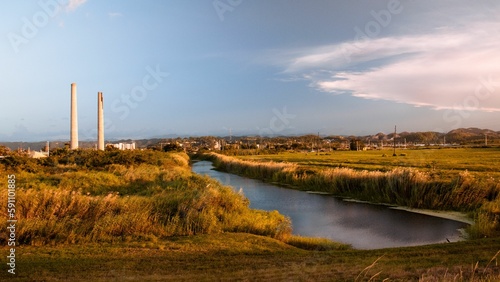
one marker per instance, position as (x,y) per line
(144,216)
(461,185)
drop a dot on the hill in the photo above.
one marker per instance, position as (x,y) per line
(460,136)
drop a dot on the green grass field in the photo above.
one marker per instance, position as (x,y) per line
(239,256)
(464,180)
(483,162)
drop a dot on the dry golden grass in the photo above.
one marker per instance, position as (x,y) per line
(155,197)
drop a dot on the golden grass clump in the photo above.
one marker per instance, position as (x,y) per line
(249,168)
(68,216)
(315,244)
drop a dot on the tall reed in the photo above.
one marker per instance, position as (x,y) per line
(400,186)
(154,196)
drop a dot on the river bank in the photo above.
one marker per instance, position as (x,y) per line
(451,215)
(404,186)
(362,225)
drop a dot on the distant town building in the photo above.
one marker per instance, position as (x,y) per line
(124,146)
(217,146)
(38,155)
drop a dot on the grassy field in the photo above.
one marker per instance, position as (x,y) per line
(238,256)
(463,180)
(144,216)
(444,163)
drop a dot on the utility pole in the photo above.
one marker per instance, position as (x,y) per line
(317,151)
(394,142)
(47,148)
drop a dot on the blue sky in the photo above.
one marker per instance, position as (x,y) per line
(248,67)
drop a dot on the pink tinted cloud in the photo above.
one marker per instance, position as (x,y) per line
(74,4)
(442,70)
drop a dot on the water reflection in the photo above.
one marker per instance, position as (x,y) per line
(364,226)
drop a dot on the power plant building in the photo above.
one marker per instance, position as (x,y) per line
(123,146)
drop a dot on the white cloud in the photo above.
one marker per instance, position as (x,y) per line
(448,69)
(74,4)
(114,14)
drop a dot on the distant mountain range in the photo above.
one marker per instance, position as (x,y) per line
(457,136)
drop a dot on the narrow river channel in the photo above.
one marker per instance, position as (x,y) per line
(364,226)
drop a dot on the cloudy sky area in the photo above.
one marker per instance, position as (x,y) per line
(248,67)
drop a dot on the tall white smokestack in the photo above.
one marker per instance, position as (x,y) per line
(74,119)
(100,121)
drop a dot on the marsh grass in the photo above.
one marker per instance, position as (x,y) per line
(127,217)
(149,197)
(441,163)
(404,186)
(315,244)
(487,220)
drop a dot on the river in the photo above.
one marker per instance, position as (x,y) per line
(364,226)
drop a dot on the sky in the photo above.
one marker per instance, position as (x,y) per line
(243,67)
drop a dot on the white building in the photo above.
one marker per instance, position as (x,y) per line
(124,146)
(38,155)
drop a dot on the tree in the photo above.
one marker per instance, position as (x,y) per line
(172,147)
(4,151)
(356,145)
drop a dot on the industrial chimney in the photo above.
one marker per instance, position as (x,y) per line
(74,119)
(100,121)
